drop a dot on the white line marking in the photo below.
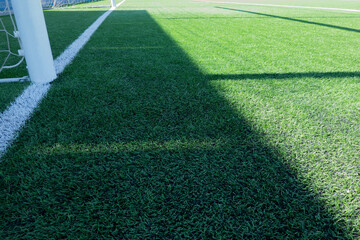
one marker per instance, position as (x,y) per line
(285,6)
(70,53)
(16,115)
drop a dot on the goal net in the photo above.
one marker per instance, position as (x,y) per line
(48,4)
(10,44)
(11,40)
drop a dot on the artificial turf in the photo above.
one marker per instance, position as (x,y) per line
(64,26)
(352,4)
(188,120)
(96,3)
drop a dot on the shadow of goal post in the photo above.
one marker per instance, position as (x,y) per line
(31,25)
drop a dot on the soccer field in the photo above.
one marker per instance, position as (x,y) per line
(192,120)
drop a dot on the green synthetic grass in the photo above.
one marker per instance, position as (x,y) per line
(9,91)
(195,121)
(64,26)
(349,4)
(98,3)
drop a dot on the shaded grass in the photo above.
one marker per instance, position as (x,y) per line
(64,26)
(9,92)
(174,128)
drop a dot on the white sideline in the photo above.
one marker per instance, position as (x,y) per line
(70,53)
(285,6)
(15,116)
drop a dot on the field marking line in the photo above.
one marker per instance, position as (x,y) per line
(16,115)
(285,6)
(71,51)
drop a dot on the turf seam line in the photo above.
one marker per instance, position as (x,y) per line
(285,6)
(16,115)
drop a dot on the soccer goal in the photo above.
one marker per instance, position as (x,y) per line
(48,4)
(23,36)
(11,55)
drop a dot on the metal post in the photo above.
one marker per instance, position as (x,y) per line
(113,3)
(35,40)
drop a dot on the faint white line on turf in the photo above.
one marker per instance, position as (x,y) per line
(117,5)
(15,116)
(70,53)
(285,6)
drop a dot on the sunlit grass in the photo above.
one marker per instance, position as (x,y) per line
(98,3)
(195,120)
(352,4)
(64,26)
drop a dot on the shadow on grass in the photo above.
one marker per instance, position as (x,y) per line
(63,27)
(300,17)
(146,148)
(323,75)
(294,19)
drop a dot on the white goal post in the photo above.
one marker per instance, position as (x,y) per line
(30,30)
(35,40)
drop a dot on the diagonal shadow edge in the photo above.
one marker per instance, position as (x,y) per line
(279,76)
(244,152)
(294,19)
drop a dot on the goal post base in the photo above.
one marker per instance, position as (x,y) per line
(10,80)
